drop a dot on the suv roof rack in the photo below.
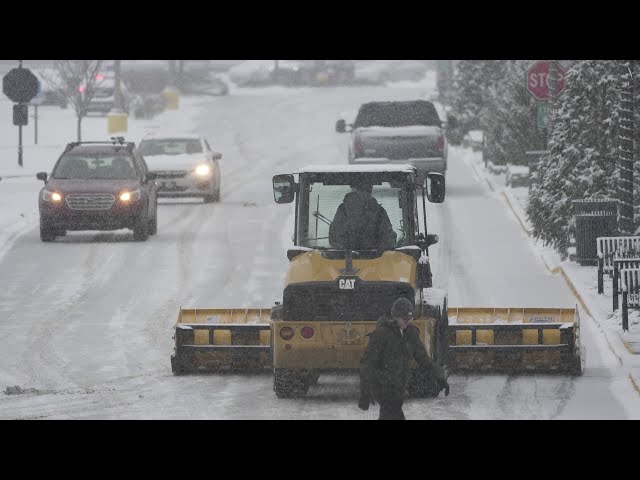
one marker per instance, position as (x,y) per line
(115,141)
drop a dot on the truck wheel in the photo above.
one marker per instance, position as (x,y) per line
(421,385)
(214,197)
(47,233)
(289,383)
(141,230)
(153,224)
(436,307)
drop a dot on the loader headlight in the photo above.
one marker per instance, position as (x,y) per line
(286,333)
(128,197)
(203,170)
(49,196)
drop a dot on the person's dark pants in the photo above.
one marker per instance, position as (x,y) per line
(391,408)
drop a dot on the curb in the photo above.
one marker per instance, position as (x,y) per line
(522,223)
(583,304)
(480,175)
(567,279)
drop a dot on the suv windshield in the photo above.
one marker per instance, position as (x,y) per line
(397,114)
(95,166)
(103,92)
(321,197)
(170,146)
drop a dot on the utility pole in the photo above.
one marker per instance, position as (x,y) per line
(117,99)
(625,150)
(20,132)
(172,73)
(35,124)
(180,82)
(171,93)
(117,119)
(553,96)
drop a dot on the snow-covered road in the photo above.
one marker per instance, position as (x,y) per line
(86,322)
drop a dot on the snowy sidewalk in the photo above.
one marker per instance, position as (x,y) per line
(582,280)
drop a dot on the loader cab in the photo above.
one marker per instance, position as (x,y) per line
(320,191)
(320,194)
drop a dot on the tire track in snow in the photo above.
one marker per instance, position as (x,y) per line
(43,362)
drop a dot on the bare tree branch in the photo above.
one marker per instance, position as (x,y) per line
(77,84)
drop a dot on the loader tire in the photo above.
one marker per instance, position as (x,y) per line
(289,383)
(421,385)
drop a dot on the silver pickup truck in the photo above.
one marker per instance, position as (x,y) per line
(408,132)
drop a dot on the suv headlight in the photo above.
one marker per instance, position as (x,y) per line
(203,170)
(49,196)
(128,197)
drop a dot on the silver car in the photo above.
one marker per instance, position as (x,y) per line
(184,165)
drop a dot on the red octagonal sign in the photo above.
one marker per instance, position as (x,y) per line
(538,79)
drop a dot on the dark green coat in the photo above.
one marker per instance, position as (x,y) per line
(385,366)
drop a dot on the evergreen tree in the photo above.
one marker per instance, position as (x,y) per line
(492,95)
(475,86)
(583,150)
(511,123)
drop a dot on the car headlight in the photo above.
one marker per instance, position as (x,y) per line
(49,196)
(203,170)
(128,197)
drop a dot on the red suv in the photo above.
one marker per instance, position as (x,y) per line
(98,186)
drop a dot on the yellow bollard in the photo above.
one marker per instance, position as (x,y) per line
(322,78)
(171,98)
(117,121)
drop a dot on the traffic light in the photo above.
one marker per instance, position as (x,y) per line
(20,114)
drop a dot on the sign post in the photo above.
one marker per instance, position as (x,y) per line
(37,100)
(35,124)
(20,85)
(545,81)
(542,110)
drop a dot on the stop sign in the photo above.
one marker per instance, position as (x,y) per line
(20,85)
(538,79)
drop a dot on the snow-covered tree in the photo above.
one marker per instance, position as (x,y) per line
(510,124)
(492,95)
(583,150)
(475,86)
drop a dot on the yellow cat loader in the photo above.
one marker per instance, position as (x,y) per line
(333,297)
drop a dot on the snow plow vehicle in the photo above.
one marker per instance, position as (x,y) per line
(333,297)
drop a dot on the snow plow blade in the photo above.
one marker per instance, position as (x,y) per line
(219,340)
(514,340)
